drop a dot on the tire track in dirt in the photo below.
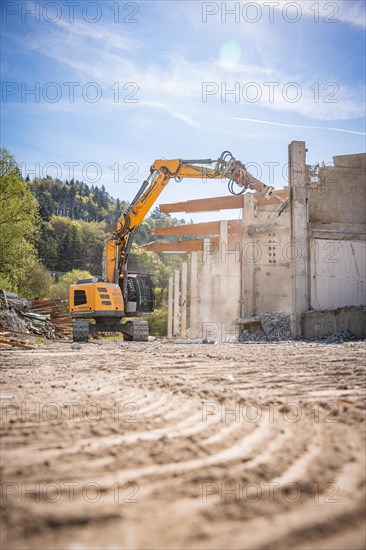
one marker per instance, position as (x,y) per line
(172,455)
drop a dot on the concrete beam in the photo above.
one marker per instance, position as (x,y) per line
(218,203)
(205,228)
(178,246)
(204,205)
(188,246)
(283,193)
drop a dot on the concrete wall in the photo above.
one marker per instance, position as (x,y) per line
(269,255)
(332,236)
(321,324)
(311,258)
(338,199)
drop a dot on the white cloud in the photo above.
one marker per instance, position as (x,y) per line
(256,121)
(343,11)
(174,85)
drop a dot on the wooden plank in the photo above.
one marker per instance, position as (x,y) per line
(15,343)
(205,228)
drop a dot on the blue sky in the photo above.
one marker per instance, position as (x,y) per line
(297,71)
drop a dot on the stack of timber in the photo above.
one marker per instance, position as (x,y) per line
(21,320)
(58,312)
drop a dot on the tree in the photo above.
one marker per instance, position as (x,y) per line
(61,288)
(46,205)
(19,226)
(71,248)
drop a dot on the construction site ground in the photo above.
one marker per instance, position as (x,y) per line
(124,445)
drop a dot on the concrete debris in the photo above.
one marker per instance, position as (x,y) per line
(10,319)
(275,326)
(252,336)
(340,337)
(75,346)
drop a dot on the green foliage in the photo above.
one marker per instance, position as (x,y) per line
(158,322)
(149,262)
(65,244)
(70,249)
(20,270)
(159,318)
(60,289)
(156,220)
(62,226)
(76,220)
(76,200)
(36,282)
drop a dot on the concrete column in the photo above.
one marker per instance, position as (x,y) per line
(298,252)
(206,291)
(193,305)
(176,304)
(169,331)
(224,269)
(248,254)
(183,312)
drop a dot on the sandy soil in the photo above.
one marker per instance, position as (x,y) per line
(157,445)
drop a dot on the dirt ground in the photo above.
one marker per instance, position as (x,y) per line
(166,445)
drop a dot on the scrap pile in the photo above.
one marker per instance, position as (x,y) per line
(22,320)
(58,313)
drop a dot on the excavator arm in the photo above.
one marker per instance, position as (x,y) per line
(226,167)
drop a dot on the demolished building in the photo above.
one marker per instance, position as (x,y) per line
(301,274)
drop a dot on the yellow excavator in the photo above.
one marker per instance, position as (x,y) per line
(121,294)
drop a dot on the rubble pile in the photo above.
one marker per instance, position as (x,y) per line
(252,336)
(274,326)
(340,337)
(58,312)
(21,320)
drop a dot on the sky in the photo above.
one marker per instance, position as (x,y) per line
(99,90)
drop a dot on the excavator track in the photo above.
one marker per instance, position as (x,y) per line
(133,331)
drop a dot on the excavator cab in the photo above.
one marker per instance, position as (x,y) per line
(140,293)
